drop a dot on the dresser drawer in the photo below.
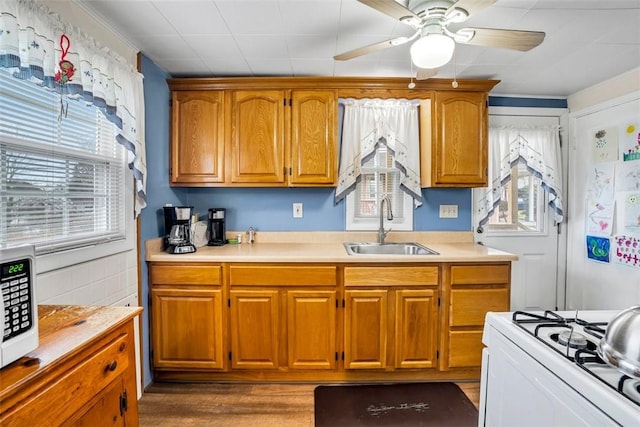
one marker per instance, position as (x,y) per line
(181,274)
(275,275)
(63,397)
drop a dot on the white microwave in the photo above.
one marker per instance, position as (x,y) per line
(18,311)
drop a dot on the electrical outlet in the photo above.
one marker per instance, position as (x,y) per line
(448,211)
(297,210)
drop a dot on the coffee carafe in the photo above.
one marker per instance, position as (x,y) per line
(177,224)
(216,227)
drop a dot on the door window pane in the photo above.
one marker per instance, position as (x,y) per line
(522,204)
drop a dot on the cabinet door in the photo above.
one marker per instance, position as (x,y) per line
(197,137)
(416,328)
(311,329)
(257,137)
(459,152)
(314,157)
(365,329)
(254,329)
(187,328)
(109,410)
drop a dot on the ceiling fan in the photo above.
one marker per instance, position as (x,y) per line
(435,43)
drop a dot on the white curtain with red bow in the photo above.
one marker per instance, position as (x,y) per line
(37,45)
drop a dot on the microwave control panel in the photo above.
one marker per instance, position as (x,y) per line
(16,282)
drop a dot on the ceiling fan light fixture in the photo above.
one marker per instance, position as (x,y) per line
(432,51)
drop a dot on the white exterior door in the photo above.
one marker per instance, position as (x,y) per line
(523,224)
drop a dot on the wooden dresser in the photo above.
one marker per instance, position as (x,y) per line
(82,373)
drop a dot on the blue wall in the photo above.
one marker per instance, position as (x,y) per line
(156,95)
(266,209)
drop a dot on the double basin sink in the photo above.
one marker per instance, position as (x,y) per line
(388,249)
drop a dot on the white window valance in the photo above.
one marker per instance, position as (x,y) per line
(370,122)
(539,149)
(33,42)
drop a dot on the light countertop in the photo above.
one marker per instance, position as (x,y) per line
(328,247)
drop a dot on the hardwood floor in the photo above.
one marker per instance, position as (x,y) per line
(214,404)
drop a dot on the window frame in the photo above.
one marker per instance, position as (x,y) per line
(51,258)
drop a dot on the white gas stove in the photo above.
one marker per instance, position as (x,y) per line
(542,369)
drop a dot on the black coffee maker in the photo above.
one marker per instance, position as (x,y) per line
(177,229)
(216,227)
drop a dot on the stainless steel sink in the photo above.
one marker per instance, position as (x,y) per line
(388,249)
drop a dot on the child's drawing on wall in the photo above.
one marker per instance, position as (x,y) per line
(605,145)
(630,144)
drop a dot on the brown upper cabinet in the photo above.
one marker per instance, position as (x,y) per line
(285,137)
(275,132)
(197,137)
(454,140)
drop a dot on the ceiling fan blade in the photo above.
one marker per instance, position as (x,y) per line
(391,8)
(371,48)
(508,39)
(473,6)
(425,73)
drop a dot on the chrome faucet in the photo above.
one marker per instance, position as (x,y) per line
(252,234)
(381,232)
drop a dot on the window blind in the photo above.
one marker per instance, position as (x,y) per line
(379,177)
(61,170)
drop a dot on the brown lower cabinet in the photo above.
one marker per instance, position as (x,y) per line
(187,316)
(469,292)
(259,321)
(283,317)
(390,317)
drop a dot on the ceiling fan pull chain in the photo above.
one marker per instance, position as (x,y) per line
(454,83)
(411,84)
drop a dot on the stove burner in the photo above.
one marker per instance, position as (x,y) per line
(561,334)
(570,338)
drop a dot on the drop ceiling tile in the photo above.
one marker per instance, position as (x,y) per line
(356,67)
(125,16)
(494,17)
(193,16)
(357,18)
(169,46)
(585,30)
(627,30)
(251,17)
(270,67)
(219,45)
(392,68)
(312,67)
(262,46)
(306,46)
(184,67)
(296,17)
(227,66)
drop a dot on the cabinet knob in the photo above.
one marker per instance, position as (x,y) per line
(112,366)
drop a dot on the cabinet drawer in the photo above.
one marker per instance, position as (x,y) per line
(480,274)
(465,349)
(272,275)
(65,396)
(391,276)
(181,274)
(469,306)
